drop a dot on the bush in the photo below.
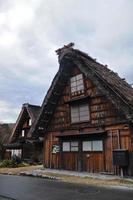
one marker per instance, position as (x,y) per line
(23,164)
(8,163)
(12,164)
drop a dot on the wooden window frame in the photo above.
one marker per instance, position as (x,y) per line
(74,146)
(23,133)
(92,146)
(80,114)
(30,122)
(77,83)
(68,145)
(71,146)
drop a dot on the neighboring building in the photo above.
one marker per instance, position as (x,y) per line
(86,117)
(21,142)
(5,134)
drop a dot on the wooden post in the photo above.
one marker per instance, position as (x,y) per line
(118,135)
(121,172)
(50,150)
(80,157)
(61,155)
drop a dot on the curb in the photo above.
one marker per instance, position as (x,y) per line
(39,176)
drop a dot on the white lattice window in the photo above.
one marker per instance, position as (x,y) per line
(66,146)
(74,146)
(70,146)
(86,145)
(16,152)
(30,122)
(77,83)
(23,133)
(80,113)
(95,145)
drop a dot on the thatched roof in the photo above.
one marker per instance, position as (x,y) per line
(108,82)
(32,111)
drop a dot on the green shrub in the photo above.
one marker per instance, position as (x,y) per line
(23,164)
(12,164)
(8,163)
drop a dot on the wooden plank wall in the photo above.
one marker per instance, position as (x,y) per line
(51,160)
(70,161)
(102,111)
(93,162)
(102,114)
(115,141)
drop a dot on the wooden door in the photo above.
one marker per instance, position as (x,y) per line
(70,161)
(93,162)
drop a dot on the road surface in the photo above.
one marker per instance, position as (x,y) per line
(30,188)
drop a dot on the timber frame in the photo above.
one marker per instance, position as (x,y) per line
(108,82)
(113,125)
(21,139)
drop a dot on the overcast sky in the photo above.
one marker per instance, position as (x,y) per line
(31,31)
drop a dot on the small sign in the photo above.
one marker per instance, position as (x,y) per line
(55,148)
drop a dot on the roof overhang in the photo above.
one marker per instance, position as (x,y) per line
(82,135)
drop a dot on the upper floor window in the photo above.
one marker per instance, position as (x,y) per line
(80,113)
(30,122)
(23,133)
(77,83)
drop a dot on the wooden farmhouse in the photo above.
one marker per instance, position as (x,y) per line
(86,117)
(21,142)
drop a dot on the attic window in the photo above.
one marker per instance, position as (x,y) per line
(77,83)
(30,122)
(23,133)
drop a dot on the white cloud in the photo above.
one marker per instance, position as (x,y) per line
(31,31)
(7,112)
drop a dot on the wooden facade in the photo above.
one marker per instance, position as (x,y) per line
(21,142)
(86,115)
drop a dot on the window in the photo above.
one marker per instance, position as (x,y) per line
(74,146)
(87,146)
(30,122)
(66,146)
(23,133)
(70,146)
(17,152)
(77,83)
(80,113)
(96,145)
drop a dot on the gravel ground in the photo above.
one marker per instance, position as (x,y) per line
(17,171)
(70,176)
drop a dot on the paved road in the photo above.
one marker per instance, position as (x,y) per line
(28,188)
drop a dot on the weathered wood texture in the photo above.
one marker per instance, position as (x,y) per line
(102,111)
(91,161)
(103,116)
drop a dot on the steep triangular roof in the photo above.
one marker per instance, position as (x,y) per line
(32,110)
(109,83)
